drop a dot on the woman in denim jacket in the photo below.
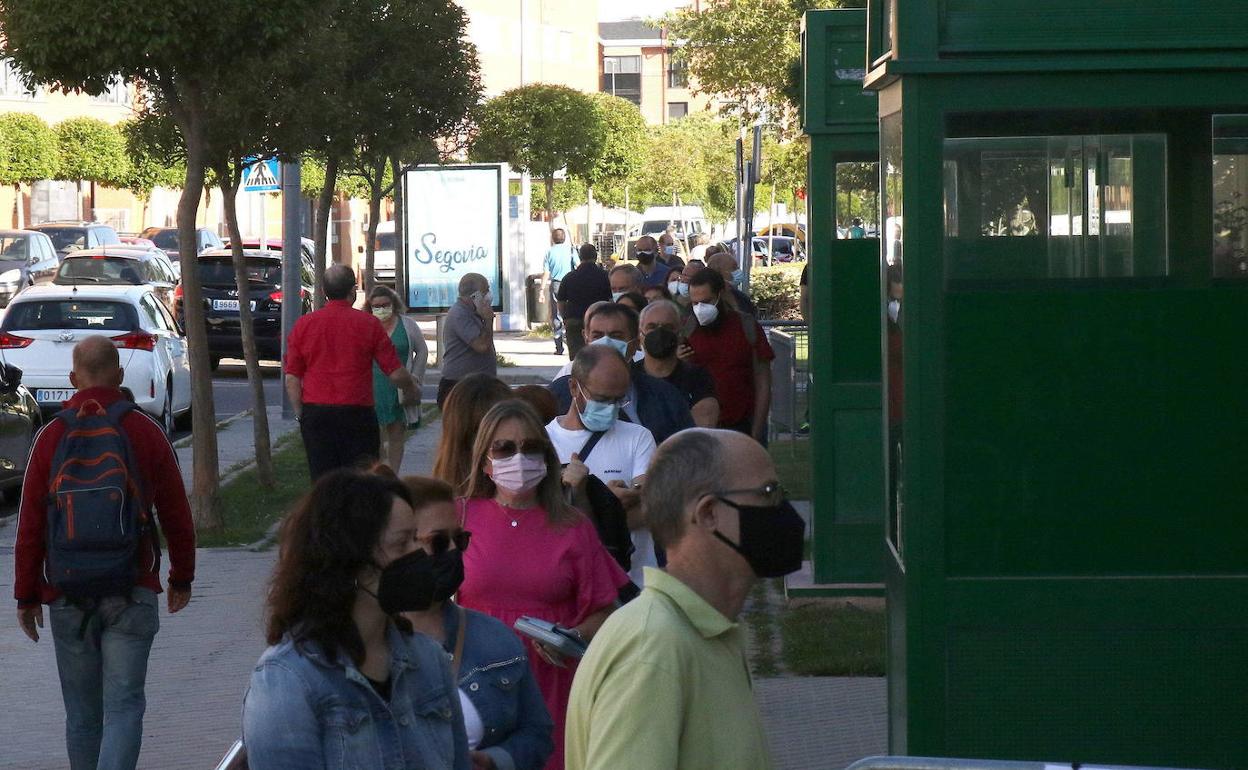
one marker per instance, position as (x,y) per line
(508,726)
(346,683)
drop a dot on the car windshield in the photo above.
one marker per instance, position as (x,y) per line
(66,238)
(164,239)
(14,246)
(219,271)
(385,242)
(93,315)
(106,270)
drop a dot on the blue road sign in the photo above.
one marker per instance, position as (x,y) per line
(263,176)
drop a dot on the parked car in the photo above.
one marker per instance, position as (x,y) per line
(27,258)
(120,266)
(20,420)
(307,247)
(43,324)
(74,236)
(264,275)
(167,238)
(383,253)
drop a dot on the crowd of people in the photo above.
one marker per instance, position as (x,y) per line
(631,504)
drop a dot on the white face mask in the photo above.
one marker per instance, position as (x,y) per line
(615,295)
(673,287)
(383,313)
(519,473)
(705,312)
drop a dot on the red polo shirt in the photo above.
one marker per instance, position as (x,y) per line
(724,351)
(333,349)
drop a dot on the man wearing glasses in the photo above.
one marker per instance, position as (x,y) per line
(590,440)
(671,664)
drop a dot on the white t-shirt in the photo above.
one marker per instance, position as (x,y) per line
(623,453)
(473,725)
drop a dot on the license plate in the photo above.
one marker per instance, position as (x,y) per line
(53,395)
(231,304)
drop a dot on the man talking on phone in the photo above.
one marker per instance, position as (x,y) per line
(468,347)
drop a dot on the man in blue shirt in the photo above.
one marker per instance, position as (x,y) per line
(653,273)
(561,259)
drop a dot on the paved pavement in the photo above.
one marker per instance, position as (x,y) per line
(202,656)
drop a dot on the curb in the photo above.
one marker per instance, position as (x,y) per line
(185,441)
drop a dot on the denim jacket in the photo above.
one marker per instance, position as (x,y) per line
(495,675)
(304,711)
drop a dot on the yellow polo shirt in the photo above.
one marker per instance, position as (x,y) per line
(665,685)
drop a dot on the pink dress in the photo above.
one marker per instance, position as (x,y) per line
(557,574)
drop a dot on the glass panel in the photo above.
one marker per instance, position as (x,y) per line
(1230,196)
(894,322)
(857,200)
(1057,207)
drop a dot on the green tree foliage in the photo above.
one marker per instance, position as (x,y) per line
(624,141)
(148,167)
(92,151)
(692,158)
(542,129)
(28,153)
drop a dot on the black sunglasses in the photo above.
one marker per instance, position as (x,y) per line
(501,449)
(440,542)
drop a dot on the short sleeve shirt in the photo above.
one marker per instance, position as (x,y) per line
(691,380)
(622,454)
(658,275)
(333,350)
(459,360)
(561,259)
(724,351)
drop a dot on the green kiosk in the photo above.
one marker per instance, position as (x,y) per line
(1064,223)
(847,474)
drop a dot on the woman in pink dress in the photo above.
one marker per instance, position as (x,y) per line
(532,553)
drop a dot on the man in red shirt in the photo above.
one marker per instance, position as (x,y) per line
(102,644)
(329,378)
(733,348)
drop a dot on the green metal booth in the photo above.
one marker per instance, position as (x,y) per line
(1064,195)
(839,117)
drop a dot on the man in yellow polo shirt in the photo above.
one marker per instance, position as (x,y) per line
(665,683)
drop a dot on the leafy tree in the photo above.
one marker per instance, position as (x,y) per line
(146,169)
(91,151)
(177,54)
(691,158)
(28,153)
(542,129)
(623,148)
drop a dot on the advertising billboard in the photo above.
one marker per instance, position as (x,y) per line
(453,226)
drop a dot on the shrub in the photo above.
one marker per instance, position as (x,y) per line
(776,294)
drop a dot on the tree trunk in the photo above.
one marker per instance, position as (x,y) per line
(589,214)
(374,213)
(255,379)
(324,212)
(19,213)
(147,204)
(206,479)
(400,235)
(550,202)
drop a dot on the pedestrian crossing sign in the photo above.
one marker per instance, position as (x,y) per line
(262,176)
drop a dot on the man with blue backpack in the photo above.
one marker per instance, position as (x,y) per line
(102,475)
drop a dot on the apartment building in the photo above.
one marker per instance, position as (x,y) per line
(637,65)
(535,41)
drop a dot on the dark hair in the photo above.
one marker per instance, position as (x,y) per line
(462,413)
(637,300)
(708,276)
(330,535)
(541,399)
(588,252)
(338,282)
(663,292)
(396,302)
(617,310)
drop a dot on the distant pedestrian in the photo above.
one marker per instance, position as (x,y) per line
(666,683)
(856,230)
(623,279)
(580,289)
(726,265)
(95,558)
(561,259)
(345,682)
(669,247)
(732,346)
(653,272)
(329,378)
(409,344)
(462,413)
(468,336)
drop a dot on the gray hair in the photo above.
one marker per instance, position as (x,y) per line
(631,270)
(338,281)
(657,304)
(588,359)
(472,282)
(687,466)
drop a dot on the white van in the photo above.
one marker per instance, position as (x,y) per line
(383,253)
(690,222)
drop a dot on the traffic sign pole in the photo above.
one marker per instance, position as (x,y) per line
(292,251)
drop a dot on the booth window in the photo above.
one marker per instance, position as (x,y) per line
(1230,196)
(857,200)
(894,322)
(1055,207)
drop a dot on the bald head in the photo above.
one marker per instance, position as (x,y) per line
(96,364)
(339,282)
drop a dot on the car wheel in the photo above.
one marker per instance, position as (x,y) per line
(183,421)
(166,417)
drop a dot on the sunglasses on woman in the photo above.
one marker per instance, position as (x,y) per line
(501,449)
(440,542)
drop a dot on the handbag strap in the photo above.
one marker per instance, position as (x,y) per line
(458,655)
(590,444)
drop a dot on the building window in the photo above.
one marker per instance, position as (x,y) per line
(677,110)
(118,93)
(621,76)
(677,71)
(11,85)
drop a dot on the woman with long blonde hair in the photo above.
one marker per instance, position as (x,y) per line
(532,553)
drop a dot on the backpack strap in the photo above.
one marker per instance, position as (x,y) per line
(590,444)
(116,412)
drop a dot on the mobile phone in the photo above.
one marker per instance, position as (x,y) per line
(563,640)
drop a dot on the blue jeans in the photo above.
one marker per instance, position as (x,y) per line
(556,320)
(103,672)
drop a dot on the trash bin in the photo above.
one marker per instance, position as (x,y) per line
(535,309)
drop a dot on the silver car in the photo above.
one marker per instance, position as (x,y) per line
(27,258)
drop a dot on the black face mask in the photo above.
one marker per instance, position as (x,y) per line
(412,583)
(772,538)
(660,342)
(645,257)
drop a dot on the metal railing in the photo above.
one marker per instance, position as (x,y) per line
(790,377)
(943,763)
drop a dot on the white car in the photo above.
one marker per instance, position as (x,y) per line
(43,323)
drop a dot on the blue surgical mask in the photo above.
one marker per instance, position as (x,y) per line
(738,276)
(669,251)
(598,415)
(615,295)
(620,346)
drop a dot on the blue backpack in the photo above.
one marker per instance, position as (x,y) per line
(95,508)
